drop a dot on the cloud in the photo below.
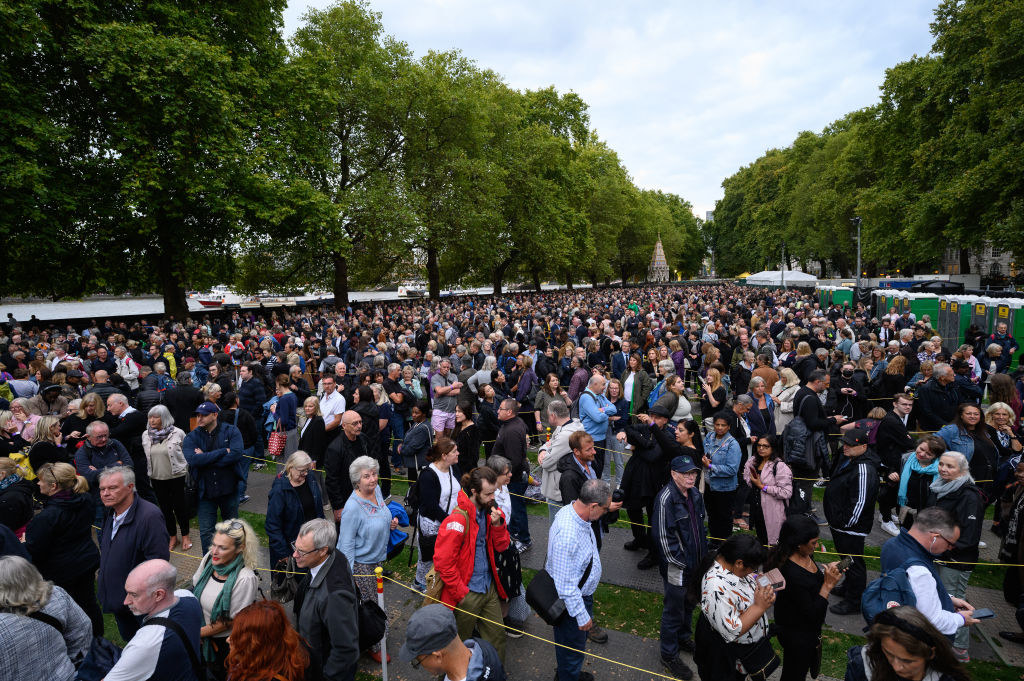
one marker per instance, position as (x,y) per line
(685,93)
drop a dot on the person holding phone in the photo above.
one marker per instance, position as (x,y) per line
(800,606)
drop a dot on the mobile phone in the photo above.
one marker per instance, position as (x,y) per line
(776,579)
(845,564)
(983,614)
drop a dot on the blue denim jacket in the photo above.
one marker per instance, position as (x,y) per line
(957,440)
(725,462)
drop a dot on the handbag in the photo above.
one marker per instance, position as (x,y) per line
(285,584)
(758,659)
(191,493)
(99,660)
(510,571)
(542,595)
(276,442)
(432,594)
(373,621)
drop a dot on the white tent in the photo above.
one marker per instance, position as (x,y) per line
(775,278)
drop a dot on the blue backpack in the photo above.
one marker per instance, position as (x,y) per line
(891,589)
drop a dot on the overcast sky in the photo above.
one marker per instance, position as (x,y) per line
(685,92)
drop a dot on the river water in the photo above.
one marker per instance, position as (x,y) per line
(107,307)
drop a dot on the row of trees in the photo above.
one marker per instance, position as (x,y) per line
(160,146)
(938,162)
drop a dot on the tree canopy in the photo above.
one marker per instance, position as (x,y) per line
(166,146)
(937,162)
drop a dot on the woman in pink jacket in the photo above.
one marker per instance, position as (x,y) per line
(768,473)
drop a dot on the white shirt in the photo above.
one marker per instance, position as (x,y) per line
(332,405)
(315,569)
(627,388)
(928,603)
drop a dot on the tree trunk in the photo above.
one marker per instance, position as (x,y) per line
(593,280)
(433,274)
(568,281)
(536,280)
(340,279)
(499,275)
(170,285)
(965,261)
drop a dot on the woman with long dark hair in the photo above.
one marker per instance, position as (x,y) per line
(439,495)
(467,437)
(265,646)
(969,435)
(904,646)
(773,479)
(800,607)
(733,621)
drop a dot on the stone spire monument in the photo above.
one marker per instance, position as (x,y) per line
(658,271)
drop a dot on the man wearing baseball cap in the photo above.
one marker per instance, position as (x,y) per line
(849,502)
(432,642)
(677,526)
(213,450)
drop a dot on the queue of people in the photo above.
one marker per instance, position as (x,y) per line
(347,399)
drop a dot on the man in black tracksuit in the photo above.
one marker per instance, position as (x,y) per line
(849,509)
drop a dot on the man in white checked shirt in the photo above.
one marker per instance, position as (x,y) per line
(575,566)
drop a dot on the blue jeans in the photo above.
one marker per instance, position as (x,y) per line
(568,634)
(227,504)
(397,422)
(519,524)
(676,620)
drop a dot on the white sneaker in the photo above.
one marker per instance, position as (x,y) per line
(895,519)
(820,483)
(890,528)
(982,545)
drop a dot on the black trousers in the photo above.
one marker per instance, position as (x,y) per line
(857,576)
(82,590)
(170,497)
(719,507)
(887,504)
(757,519)
(635,513)
(798,652)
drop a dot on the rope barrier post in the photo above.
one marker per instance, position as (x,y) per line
(379,573)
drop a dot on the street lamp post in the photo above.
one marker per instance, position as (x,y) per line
(856,222)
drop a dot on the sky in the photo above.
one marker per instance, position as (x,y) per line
(685,92)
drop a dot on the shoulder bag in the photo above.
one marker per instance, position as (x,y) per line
(542,595)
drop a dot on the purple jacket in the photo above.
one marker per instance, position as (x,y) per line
(778,489)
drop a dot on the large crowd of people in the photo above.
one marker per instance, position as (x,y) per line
(709,414)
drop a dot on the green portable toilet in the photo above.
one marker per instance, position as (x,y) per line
(843,296)
(925,304)
(978,314)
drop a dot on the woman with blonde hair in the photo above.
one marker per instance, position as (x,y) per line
(90,408)
(35,649)
(59,538)
(10,440)
(784,392)
(712,396)
(225,583)
(47,446)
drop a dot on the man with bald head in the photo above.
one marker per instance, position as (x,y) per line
(101,385)
(157,650)
(340,454)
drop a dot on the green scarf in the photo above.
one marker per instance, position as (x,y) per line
(221,606)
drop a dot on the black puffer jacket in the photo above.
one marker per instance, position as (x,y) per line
(968,507)
(60,538)
(647,470)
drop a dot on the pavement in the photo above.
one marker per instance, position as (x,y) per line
(637,657)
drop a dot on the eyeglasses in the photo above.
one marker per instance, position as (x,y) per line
(416,662)
(303,553)
(945,539)
(763,445)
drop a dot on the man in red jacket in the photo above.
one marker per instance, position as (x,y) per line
(464,559)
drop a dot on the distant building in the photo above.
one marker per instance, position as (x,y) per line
(709,216)
(988,261)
